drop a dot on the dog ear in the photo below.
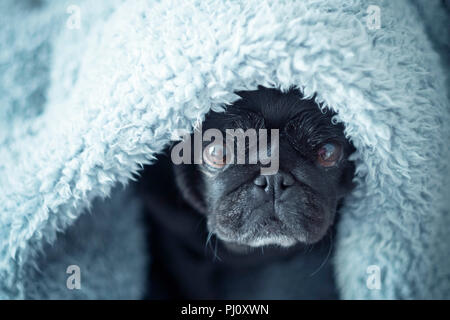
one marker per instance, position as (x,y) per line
(189,181)
(346,184)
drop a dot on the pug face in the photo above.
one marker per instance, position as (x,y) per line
(294,204)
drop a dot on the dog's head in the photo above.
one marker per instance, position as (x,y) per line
(296,202)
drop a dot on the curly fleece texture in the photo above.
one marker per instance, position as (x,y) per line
(81,110)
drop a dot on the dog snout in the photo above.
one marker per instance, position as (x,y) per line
(274,184)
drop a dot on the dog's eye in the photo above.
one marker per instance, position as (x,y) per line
(329,154)
(215,156)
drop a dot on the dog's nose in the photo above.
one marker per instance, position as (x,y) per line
(276,182)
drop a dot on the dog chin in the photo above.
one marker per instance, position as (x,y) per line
(248,247)
(282,241)
(259,241)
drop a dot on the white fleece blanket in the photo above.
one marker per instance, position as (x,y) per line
(82,109)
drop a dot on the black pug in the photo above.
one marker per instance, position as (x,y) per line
(215,223)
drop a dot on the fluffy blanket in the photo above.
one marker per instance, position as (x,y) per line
(90,92)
